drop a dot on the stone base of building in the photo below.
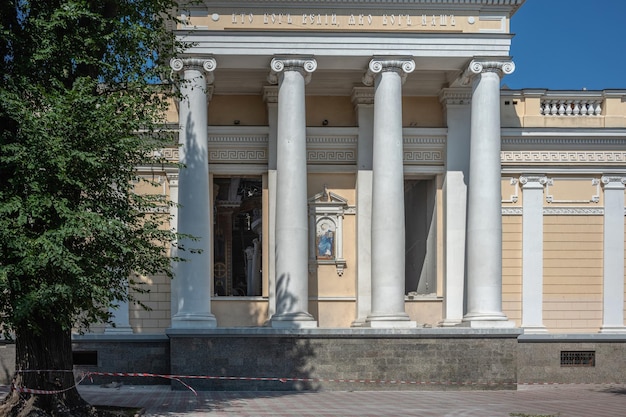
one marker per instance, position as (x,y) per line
(393,359)
(346,359)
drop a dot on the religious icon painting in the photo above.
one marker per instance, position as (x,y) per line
(325,239)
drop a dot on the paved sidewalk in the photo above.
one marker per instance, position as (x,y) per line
(527,401)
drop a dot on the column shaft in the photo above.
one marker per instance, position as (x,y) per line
(292,295)
(193,277)
(484,220)
(388,230)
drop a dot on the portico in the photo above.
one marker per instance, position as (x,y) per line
(402,71)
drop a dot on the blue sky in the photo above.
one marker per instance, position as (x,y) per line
(569,45)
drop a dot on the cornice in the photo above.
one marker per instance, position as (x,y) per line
(512,4)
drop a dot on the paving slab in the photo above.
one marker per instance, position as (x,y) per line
(578,400)
(569,400)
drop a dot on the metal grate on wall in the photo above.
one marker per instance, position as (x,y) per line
(578,358)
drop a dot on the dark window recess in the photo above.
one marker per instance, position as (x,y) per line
(85,358)
(578,358)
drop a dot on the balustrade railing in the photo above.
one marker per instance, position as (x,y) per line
(571,107)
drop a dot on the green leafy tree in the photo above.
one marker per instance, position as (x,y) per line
(80,110)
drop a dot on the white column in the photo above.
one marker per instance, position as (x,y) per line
(270,95)
(532,253)
(292,293)
(363,99)
(388,252)
(613,293)
(193,277)
(457,107)
(484,211)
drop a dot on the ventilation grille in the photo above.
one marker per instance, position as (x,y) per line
(85,358)
(578,358)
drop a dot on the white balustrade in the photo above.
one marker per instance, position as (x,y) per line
(571,107)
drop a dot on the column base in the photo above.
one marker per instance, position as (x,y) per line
(118,330)
(450,323)
(293,321)
(534,329)
(392,321)
(359,323)
(194,321)
(487,321)
(613,329)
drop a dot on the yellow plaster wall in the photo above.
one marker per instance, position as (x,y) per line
(324,281)
(422,112)
(247,110)
(157,319)
(523,109)
(512,268)
(615,112)
(578,190)
(335,110)
(428,312)
(171,115)
(333,313)
(237,312)
(572,281)
(158,300)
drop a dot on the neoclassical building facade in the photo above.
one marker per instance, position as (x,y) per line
(363,164)
(358,171)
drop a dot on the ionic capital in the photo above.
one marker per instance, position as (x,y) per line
(206,65)
(305,66)
(402,66)
(479,66)
(533,181)
(614,182)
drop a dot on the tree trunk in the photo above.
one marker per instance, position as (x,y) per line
(44,362)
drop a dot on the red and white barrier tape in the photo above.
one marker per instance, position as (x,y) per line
(179,378)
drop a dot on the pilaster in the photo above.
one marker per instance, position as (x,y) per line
(270,96)
(172,179)
(363,100)
(456,102)
(613,263)
(532,253)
